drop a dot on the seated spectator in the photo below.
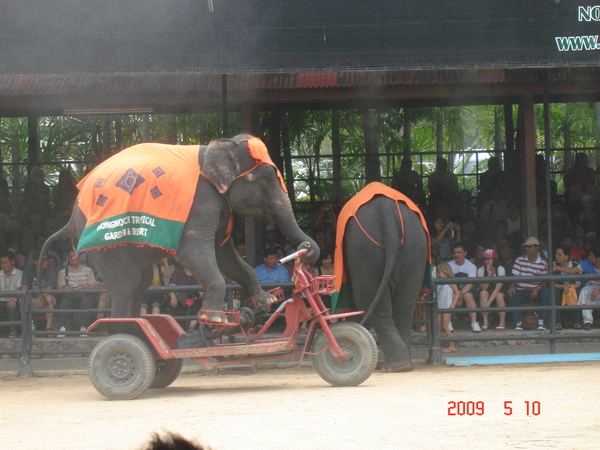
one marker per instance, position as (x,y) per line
(492,178)
(271,237)
(47,282)
(500,233)
(578,171)
(10,280)
(5,203)
(447,297)
(442,240)
(325,220)
(584,185)
(563,261)
(75,276)
(64,195)
(561,222)
(320,237)
(513,220)
(491,292)
(493,210)
(443,183)
(590,293)
(408,181)
(36,195)
(477,260)
(464,207)
(324,266)
(462,267)
(469,236)
(271,271)
(153,300)
(184,303)
(529,264)
(580,243)
(588,216)
(18,257)
(507,256)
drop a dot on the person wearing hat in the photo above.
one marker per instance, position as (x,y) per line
(527,265)
(491,292)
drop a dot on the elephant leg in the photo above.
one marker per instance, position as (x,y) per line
(121,270)
(236,269)
(364,278)
(138,296)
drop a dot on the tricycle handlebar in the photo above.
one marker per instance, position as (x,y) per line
(293,256)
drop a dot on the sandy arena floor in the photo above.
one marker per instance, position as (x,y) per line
(296,409)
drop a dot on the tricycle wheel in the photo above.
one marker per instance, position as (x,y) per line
(360,347)
(167,371)
(121,367)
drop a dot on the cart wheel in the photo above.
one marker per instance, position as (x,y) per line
(361,348)
(167,371)
(121,367)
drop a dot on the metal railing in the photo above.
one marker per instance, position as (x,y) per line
(26,349)
(551,334)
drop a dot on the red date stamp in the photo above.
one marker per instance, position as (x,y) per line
(469,408)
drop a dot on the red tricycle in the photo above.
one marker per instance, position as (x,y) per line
(143,353)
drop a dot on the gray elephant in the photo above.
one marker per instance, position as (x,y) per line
(152,200)
(382,251)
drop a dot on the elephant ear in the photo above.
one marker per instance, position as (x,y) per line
(220,164)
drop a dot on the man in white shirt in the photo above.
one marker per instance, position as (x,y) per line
(77,276)
(462,267)
(10,280)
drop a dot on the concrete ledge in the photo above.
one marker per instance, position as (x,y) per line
(522,359)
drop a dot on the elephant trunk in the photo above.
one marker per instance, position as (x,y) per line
(286,222)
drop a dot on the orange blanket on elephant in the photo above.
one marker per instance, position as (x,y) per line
(142,195)
(349,210)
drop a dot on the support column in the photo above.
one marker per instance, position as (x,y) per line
(33,142)
(372,167)
(253,228)
(336,152)
(527,159)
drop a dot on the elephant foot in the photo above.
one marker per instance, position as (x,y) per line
(402,368)
(266,298)
(212,317)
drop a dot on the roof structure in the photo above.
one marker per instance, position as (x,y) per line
(177,55)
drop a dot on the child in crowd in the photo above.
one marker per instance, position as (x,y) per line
(447,297)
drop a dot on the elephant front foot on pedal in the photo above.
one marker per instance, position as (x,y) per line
(212,317)
(266,298)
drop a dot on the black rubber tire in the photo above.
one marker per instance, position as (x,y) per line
(167,371)
(121,367)
(361,348)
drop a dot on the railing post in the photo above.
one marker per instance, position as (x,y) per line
(26,336)
(435,351)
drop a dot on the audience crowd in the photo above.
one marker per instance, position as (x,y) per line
(472,234)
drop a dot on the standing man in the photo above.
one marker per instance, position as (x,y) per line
(73,277)
(462,267)
(10,280)
(271,271)
(530,264)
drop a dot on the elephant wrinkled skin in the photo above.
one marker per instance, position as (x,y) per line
(233,180)
(385,253)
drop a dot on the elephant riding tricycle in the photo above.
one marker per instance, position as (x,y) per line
(146,352)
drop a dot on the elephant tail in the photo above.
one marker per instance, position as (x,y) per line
(66,232)
(390,260)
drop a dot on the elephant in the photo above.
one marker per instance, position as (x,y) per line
(234,176)
(382,251)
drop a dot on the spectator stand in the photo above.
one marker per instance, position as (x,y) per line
(551,334)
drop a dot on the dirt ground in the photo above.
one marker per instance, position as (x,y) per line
(295,409)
